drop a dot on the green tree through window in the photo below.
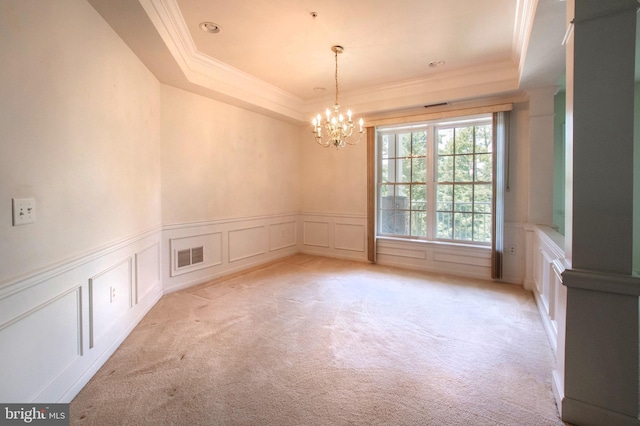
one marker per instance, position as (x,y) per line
(449,163)
(463,210)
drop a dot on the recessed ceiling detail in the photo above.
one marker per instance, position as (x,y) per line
(271,57)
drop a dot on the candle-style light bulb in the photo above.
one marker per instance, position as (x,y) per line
(361,122)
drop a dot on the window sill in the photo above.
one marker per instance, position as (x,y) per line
(441,244)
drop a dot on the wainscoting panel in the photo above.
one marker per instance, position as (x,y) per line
(239,244)
(454,259)
(476,259)
(334,235)
(47,319)
(147,269)
(545,265)
(316,233)
(246,242)
(349,236)
(109,299)
(211,245)
(282,235)
(54,330)
(397,252)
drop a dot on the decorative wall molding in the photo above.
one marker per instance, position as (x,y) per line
(545,269)
(110,297)
(212,246)
(335,235)
(147,271)
(36,332)
(52,315)
(36,276)
(283,235)
(247,242)
(316,233)
(239,244)
(429,256)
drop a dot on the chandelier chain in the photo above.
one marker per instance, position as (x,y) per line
(336,54)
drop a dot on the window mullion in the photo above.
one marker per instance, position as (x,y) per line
(432,160)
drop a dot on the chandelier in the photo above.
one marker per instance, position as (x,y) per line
(335,129)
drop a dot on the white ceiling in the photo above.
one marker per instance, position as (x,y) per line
(273,55)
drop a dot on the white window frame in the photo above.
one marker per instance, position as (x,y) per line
(431,178)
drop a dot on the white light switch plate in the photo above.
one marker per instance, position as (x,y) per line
(24,211)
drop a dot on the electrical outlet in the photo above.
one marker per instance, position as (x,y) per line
(112,294)
(512,249)
(24,211)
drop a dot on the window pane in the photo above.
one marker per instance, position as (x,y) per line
(463,226)
(482,198)
(419,170)
(483,168)
(388,147)
(402,222)
(404,145)
(445,141)
(462,198)
(387,171)
(483,138)
(419,224)
(445,169)
(482,228)
(387,193)
(403,170)
(464,168)
(418,197)
(402,196)
(420,143)
(386,222)
(464,140)
(443,223)
(444,197)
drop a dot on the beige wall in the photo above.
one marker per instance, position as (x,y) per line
(80,120)
(516,196)
(221,162)
(332,181)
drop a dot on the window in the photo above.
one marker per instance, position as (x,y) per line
(435,180)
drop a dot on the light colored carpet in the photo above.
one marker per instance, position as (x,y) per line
(319,341)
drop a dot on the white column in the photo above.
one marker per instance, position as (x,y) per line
(601,345)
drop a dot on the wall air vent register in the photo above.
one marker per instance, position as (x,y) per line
(188,257)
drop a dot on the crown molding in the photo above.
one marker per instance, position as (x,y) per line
(476,82)
(210,73)
(525,14)
(242,88)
